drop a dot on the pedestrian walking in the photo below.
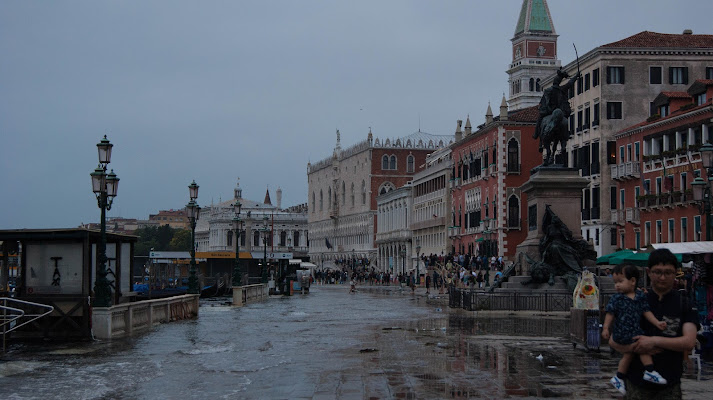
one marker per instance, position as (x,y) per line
(428,284)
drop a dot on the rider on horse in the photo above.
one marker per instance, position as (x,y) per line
(554,98)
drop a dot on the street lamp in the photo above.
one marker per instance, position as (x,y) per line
(487,235)
(193,211)
(702,188)
(265,232)
(418,259)
(104,187)
(238,226)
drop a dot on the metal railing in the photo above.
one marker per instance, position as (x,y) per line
(16,313)
(473,300)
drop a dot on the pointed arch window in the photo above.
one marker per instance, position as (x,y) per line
(392,162)
(363,192)
(513,212)
(313,201)
(329,198)
(385,162)
(532,84)
(321,200)
(410,160)
(352,194)
(344,193)
(513,156)
(538,88)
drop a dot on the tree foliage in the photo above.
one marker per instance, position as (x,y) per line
(161,238)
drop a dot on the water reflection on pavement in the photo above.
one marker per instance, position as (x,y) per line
(380,343)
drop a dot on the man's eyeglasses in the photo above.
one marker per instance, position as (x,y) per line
(658,272)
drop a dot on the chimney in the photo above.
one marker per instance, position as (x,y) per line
(459,133)
(279,198)
(467,126)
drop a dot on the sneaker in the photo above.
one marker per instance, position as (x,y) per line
(618,384)
(654,377)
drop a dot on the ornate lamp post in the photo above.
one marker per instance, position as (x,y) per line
(418,260)
(238,226)
(104,187)
(702,188)
(487,234)
(265,232)
(193,211)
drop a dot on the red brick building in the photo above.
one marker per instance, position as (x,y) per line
(654,163)
(490,165)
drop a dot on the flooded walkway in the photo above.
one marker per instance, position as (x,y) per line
(378,343)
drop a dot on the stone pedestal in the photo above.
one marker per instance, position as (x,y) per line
(561,189)
(237,296)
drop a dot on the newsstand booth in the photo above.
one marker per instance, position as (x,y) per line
(58,268)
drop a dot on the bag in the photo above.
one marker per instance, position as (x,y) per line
(586,293)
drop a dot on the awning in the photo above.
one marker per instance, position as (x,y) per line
(611,258)
(686,247)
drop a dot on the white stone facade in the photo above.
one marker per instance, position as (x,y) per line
(215,230)
(432,203)
(396,252)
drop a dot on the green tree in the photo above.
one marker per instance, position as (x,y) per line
(158,238)
(181,240)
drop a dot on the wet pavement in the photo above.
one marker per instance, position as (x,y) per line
(379,343)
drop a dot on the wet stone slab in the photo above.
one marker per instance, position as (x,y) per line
(376,344)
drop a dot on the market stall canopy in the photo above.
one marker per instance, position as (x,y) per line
(686,247)
(606,259)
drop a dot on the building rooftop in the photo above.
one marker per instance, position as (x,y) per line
(648,39)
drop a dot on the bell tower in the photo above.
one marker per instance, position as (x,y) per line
(534,54)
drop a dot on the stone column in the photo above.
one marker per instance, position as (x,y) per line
(561,189)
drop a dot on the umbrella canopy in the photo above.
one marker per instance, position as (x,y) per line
(640,258)
(607,258)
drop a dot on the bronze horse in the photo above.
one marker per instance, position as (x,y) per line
(554,131)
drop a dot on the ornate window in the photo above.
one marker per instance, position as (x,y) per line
(321,200)
(392,162)
(410,163)
(513,212)
(283,238)
(385,162)
(230,238)
(386,187)
(532,84)
(352,194)
(344,193)
(513,156)
(363,192)
(256,238)
(296,238)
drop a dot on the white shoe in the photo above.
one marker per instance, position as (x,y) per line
(618,384)
(654,377)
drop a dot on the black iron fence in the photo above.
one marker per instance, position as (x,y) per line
(474,300)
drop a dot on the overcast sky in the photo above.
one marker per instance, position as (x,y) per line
(216,90)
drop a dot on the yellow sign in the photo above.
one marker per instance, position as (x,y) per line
(221,254)
(215,254)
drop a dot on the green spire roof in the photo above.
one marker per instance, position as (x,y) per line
(534,17)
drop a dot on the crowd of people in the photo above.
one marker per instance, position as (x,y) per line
(439,272)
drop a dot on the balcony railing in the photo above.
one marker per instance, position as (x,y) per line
(628,170)
(633,215)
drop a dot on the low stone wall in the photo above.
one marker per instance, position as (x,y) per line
(544,301)
(125,319)
(249,293)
